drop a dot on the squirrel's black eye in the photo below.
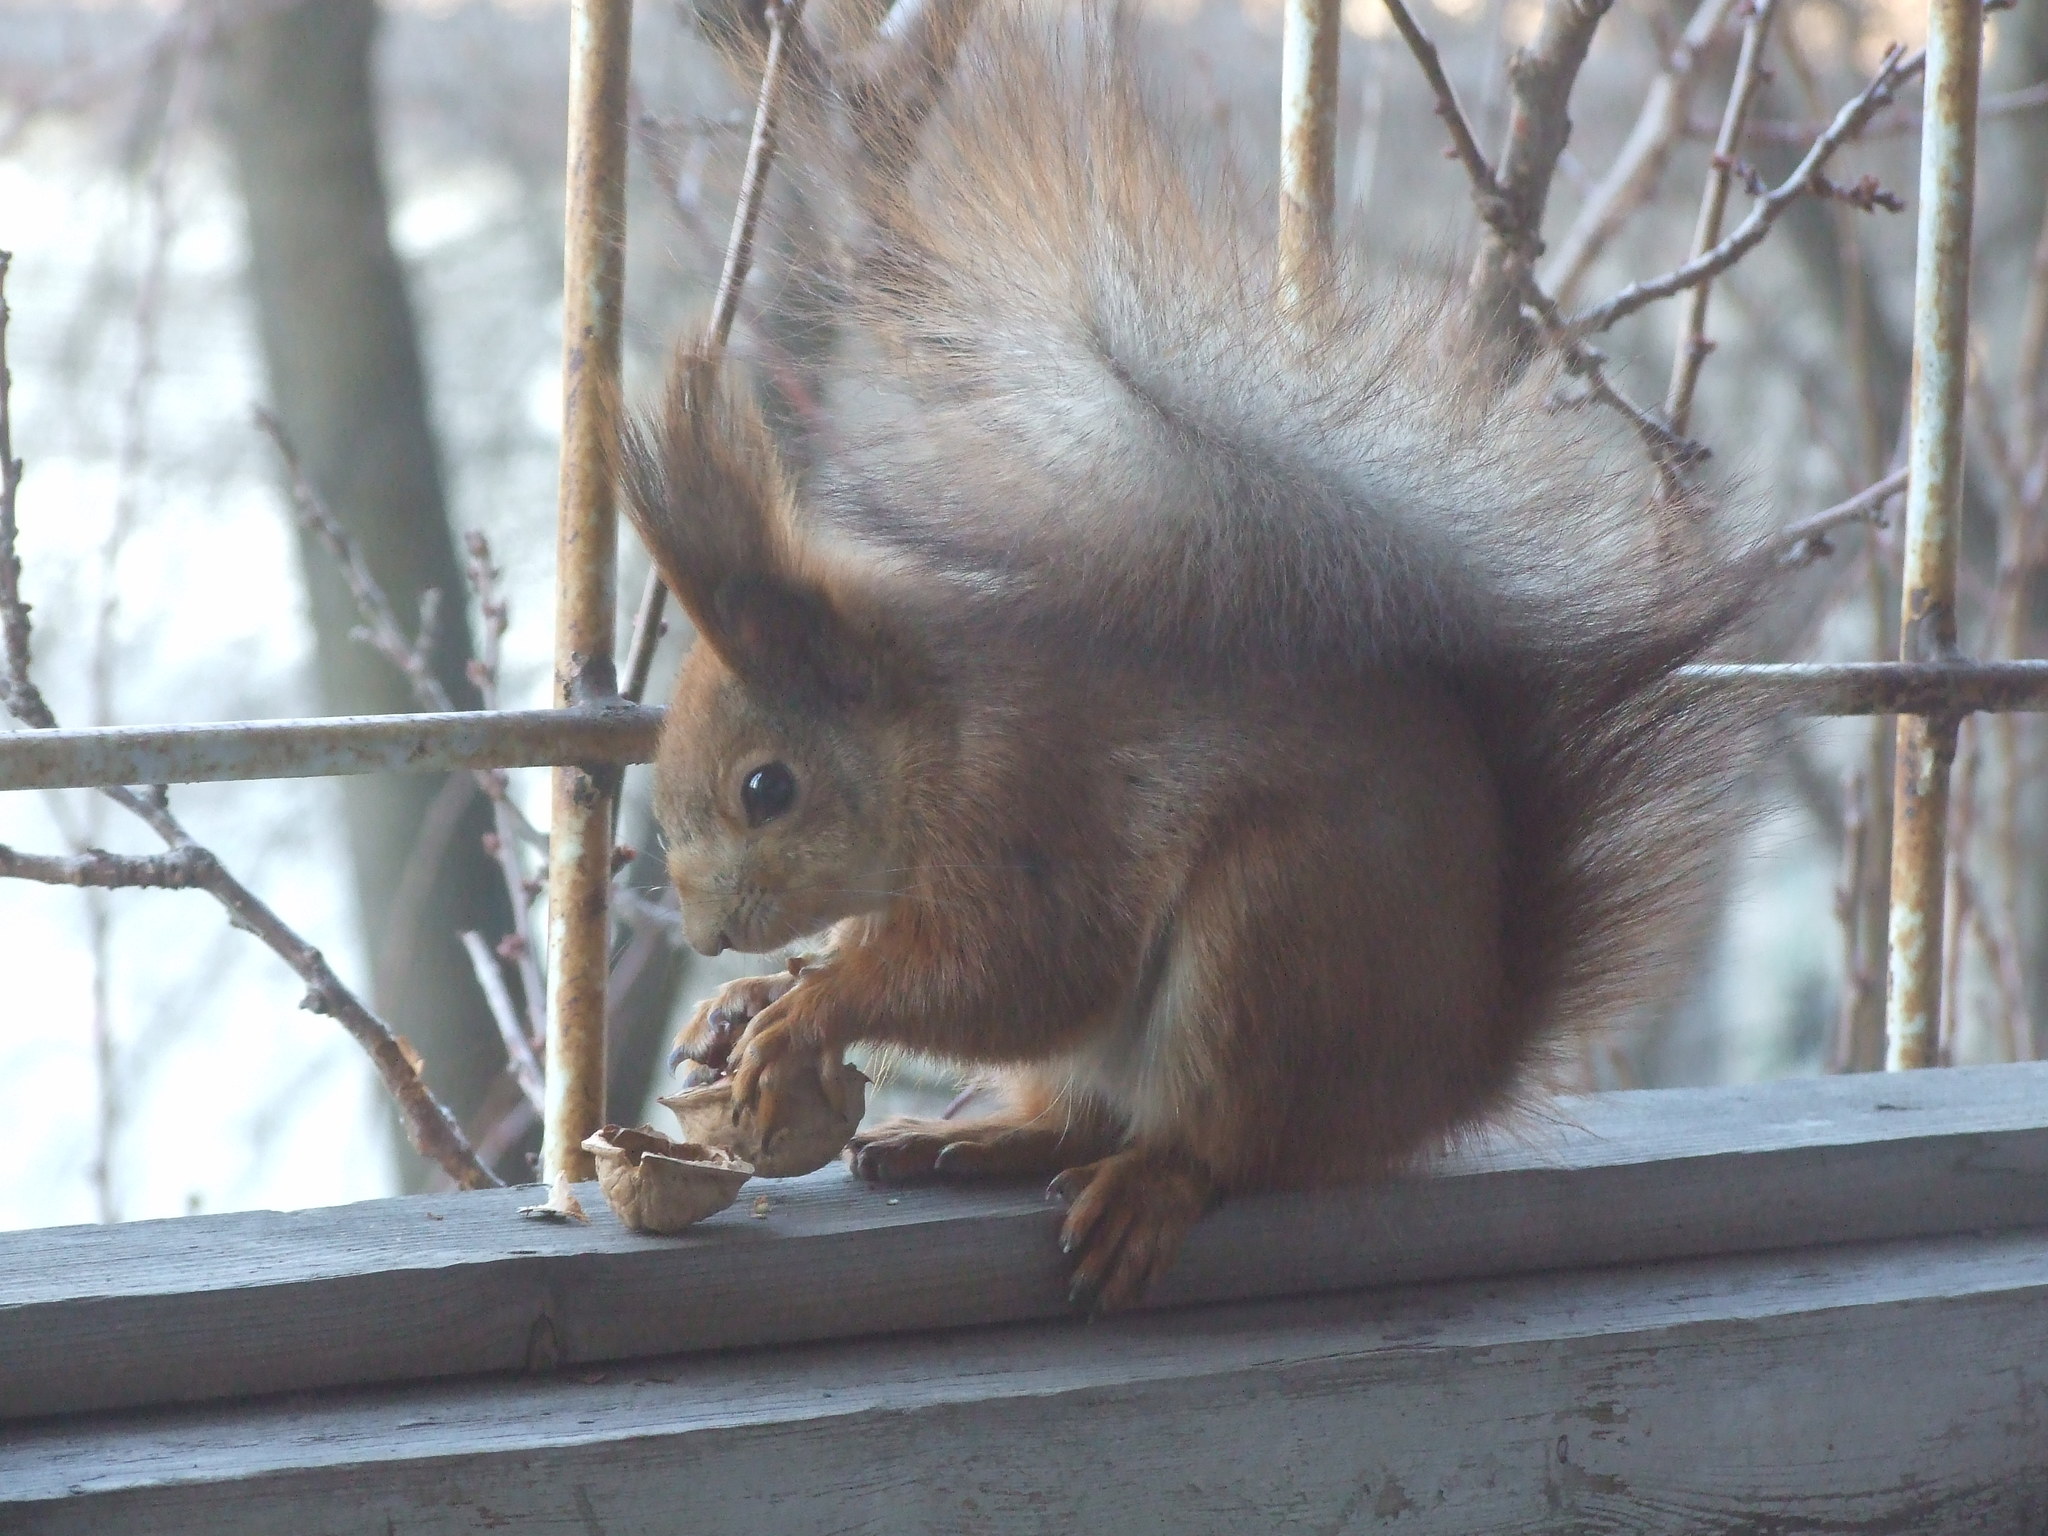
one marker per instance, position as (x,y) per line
(769,791)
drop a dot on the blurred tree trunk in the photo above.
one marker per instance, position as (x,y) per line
(343,360)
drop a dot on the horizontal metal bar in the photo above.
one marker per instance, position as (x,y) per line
(624,733)
(1888,687)
(299,749)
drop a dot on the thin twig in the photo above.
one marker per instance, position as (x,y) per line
(102,671)
(1693,345)
(181,869)
(380,629)
(18,691)
(631,963)
(1486,190)
(503,1132)
(1959,891)
(892,86)
(1632,179)
(188,865)
(1580,360)
(2005,971)
(1541,77)
(1806,179)
(1885,125)
(405,911)
(1860,323)
(506,821)
(783,18)
(1669,450)
(1805,541)
(382,632)
(511,1029)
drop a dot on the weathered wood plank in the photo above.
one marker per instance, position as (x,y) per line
(449,1285)
(1896,1387)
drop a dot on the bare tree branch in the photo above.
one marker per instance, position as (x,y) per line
(1806,179)
(1859,972)
(382,632)
(1632,179)
(1585,363)
(1539,125)
(784,17)
(1895,123)
(2031,363)
(1492,202)
(17,689)
(1805,541)
(518,1049)
(642,912)
(1693,345)
(186,865)
(181,869)
(509,827)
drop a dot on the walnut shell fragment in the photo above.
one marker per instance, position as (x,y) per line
(658,1185)
(818,1116)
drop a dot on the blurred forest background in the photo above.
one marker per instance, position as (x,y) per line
(351,214)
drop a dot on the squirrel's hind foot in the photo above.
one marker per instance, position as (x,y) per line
(902,1150)
(1126,1219)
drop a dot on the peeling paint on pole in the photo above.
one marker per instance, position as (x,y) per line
(1927,631)
(586,602)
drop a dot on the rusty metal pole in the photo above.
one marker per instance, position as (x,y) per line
(1308,143)
(1927,630)
(586,548)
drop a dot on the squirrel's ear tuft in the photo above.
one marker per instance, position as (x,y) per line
(707,492)
(704,487)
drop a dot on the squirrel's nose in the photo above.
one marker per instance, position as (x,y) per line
(706,941)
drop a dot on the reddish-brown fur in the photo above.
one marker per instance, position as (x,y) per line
(1248,733)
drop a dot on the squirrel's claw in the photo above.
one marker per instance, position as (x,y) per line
(1127,1217)
(761,1065)
(719,1021)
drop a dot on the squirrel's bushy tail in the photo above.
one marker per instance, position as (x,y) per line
(1069,383)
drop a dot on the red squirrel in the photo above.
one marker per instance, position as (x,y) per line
(1244,727)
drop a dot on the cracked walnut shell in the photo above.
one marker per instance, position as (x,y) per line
(655,1184)
(818,1118)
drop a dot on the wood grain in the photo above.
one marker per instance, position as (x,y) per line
(397,1290)
(1897,1387)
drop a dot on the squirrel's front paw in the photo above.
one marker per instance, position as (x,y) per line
(1126,1219)
(719,1021)
(771,1054)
